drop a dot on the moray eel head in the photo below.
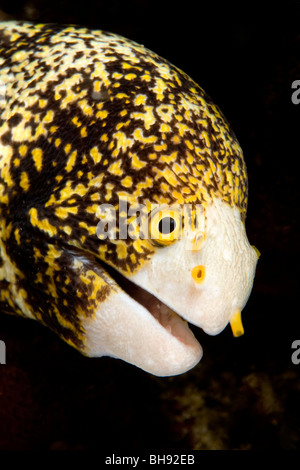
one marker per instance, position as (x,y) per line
(203,277)
(123,197)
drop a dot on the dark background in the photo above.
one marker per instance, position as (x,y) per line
(245,393)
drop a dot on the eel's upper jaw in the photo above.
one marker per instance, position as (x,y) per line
(148,334)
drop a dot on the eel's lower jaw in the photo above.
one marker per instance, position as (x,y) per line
(173,323)
(133,325)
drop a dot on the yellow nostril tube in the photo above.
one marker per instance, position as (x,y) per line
(198,241)
(236,324)
(198,273)
(256,251)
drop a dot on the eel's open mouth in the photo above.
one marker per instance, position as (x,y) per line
(171,321)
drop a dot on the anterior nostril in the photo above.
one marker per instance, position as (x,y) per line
(198,273)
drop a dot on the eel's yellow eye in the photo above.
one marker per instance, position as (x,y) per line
(165,226)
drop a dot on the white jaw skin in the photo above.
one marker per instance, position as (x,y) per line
(146,332)
(125,329)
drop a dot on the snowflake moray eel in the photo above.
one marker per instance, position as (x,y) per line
(98,134)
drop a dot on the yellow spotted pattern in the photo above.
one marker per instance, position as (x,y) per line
(87,118)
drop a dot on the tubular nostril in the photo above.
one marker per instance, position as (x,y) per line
(198,273)
(198,241)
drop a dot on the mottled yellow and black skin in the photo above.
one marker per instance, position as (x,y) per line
(87,117)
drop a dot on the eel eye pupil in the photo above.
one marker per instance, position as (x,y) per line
(167,225)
